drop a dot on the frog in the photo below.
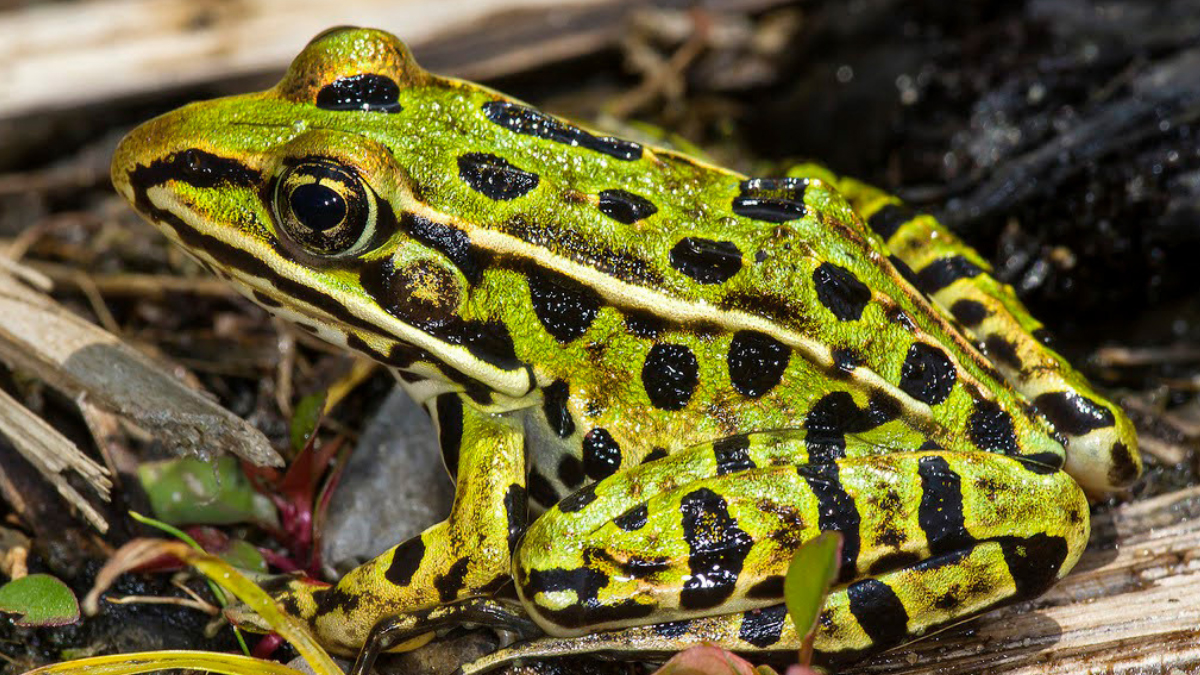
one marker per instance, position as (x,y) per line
(652,379)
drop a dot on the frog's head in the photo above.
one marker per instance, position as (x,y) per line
(300,198)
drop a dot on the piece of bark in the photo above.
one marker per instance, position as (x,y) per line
(84,362)
(54,456)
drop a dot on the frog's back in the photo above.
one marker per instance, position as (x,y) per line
(634,300)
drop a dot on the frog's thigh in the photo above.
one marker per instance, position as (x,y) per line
(1102,444)
(466,555)
(858,619)
(931,536)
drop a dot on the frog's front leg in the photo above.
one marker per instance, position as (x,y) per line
(697,543)
(467,555)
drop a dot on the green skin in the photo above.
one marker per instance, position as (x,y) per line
(714,370)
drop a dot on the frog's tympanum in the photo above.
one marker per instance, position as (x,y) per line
(652,378)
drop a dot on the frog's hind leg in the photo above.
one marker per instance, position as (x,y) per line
(1101,442)
(467,555)
(701,540)
(857,620)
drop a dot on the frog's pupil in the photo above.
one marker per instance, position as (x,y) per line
(318,207)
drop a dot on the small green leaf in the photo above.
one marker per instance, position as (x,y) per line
(243,555)
(188,491)
(813,570)
(39,600)
(306,417)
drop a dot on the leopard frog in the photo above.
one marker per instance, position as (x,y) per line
(652,378)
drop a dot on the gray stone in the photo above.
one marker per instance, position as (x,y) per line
(394,486)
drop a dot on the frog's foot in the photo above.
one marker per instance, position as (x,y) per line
(469,555)
(1101,441)
(412,629)
(930,538)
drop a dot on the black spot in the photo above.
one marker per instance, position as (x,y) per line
(1042,463)
(601,454)
(893,561)
(841,292)
(947,601)
(773,200)
(570,471)
(450,429)
(196,168)
(706,261)
(928,375)
(454,580)
(565,307)
(1034,562)
(991,428)
(266,300)
(672,629)
(644,324)
(633,519)
(940,514)
(450,242)
(1043,336)
(888,219)
(541,490)
(757,362)
(879,611)
(1002,351)
(944,271)
(406,559)
(1124,467)
(836,414)
(845,360)
(332,599)
(768,589)
(576,501)
(625,207)
(589,610)
(516,509)
(732,454)
(655,454)
(530,122)
(555,397)
(969,313)
(717,549)
(495,177)
(763,627)
(836,512)
(367,92)
(1072,413)
(905,271)
(670,375)
(488,341)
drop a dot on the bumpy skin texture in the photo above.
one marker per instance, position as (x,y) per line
(690,371)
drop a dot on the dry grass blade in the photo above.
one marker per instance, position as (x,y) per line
(84,362)
(147,662)
(54,456)
(140,551)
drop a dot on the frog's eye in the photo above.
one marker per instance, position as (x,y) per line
(325,208)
